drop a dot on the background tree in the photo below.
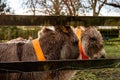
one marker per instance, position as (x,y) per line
(113,3)
(66,7)
(55,7)
(32,5)
(93,5)
(4,7)
(72,6)
(112,6)
(97,6)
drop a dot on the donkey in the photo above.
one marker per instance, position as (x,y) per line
(91,42)
(60,44)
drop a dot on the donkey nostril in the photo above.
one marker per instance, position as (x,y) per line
(95,58)
(102,56)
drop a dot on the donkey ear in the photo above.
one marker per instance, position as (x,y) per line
(64,29)
(82,28)
(43,31)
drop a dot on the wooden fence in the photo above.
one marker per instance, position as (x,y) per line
(11,67)
(59,20)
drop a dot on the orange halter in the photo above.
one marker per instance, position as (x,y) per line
(82,54)
(38,50)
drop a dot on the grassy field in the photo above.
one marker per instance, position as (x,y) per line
(113,51)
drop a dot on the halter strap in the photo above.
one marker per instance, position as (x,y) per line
(38,50)
(83,56)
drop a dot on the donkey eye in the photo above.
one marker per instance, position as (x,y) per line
(76,42)
(92,39)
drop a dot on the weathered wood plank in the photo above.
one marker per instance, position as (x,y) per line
(29,20)
(10,67)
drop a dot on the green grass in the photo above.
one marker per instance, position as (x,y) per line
(112,50)
(98,74)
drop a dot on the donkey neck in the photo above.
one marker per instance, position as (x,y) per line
(82,54)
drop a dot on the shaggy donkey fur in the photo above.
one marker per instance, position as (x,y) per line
(92,43)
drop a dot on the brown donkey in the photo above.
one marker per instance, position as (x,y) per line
(58,44)
(90,43)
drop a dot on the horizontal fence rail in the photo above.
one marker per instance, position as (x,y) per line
(29,20)
(17,67)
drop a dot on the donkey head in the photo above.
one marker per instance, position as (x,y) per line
(93,43)
(60,43)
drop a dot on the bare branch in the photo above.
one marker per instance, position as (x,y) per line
(67,5)
(100,7)
(111,4)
